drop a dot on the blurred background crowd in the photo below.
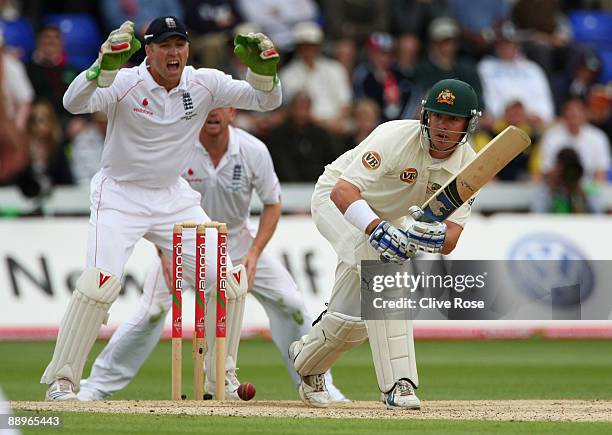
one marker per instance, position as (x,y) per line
(347,66)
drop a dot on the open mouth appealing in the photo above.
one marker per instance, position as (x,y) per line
(173,65)
(213,122)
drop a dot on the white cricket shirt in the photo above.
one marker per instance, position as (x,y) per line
(227,189)
(151,132)
(393,171)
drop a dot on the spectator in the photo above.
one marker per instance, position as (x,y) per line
(408,48)
(355,20)
(48,163)
(49,70)
(579,78)
(573,131)
(413,16)
(345,52)
(442,61)
(140,12)
(13,150)
(16,89)
(278,17)
(477,20)
(211,24)
(324,79)
(523,164)
(299,147)
(87,149)
(380,79)
(547,33)
(510,76)
(366,117)
(564,190)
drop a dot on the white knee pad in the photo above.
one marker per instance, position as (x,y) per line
(87,311)
(392,347)
(328,339)
(237,287)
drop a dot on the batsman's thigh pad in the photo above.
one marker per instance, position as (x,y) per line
(392,347)
(87,311)
(328,339)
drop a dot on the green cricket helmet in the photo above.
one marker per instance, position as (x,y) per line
(451,97)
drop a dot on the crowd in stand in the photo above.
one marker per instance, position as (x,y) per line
(346,67)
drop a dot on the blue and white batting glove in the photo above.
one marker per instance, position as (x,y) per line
(391,243)
(425,236)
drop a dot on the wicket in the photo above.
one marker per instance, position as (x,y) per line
(200,306)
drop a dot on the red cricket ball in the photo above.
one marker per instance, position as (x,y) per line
(246,391)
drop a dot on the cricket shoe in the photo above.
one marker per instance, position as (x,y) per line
(312,387)
(401,396)
(61,389)
(87,393)
(231,386)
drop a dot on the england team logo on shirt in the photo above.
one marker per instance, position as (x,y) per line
(187,106)
(236,178)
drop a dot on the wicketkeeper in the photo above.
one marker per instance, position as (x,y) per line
(155,112)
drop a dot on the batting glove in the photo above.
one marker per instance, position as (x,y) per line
(257,52)
(391,243)
(425,236)
(120,45)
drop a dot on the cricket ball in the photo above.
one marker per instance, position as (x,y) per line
(246,391)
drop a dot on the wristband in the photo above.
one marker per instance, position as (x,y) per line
(360,215)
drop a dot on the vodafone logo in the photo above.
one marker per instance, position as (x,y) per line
(145,102)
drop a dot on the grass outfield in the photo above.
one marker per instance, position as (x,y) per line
(448,370)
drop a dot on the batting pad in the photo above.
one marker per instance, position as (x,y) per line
(392,347)
(87,311)
(237,287)
(327,341)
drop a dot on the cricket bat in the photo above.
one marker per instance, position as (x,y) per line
(488,162)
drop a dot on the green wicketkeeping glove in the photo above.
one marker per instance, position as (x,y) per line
(257,52)
(120,45)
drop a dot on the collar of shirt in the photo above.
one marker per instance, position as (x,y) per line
(233,147)
(151,84)
(453,163)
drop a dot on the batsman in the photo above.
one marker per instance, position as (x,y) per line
(155,111)
(366,204)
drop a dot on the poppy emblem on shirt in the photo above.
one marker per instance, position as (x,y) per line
(145,102)
(409,175)
(371,160)
(446,96)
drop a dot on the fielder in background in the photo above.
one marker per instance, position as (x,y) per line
(228,164)
(155,112)
(359,205)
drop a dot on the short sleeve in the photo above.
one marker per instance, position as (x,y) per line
(265,181)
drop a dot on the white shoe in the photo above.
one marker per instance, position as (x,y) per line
(231,386)
(312,387)
(401,396)
(87,393)
(335,394)
(313,392)
(61,389)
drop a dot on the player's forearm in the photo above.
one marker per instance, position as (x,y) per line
(267,225)
(78,96)
(345,194)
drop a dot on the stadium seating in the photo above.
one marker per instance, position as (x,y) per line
(81,37)
(19,35)
(593,27)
